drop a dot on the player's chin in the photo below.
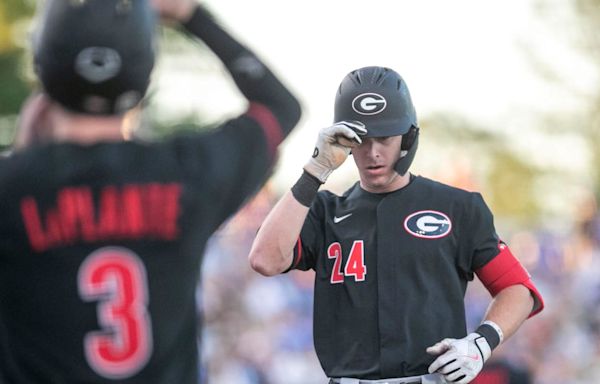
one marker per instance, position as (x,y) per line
(375,180)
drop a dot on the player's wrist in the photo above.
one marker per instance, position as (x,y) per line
(491,332)
(306,188)
(316,169)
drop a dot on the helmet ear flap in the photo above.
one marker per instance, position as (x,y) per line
(409,138)
(410,142)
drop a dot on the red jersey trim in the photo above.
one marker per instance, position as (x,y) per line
(269,124)
(298,253)
(505,270)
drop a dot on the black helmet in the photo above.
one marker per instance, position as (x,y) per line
(95,56)
(379,98)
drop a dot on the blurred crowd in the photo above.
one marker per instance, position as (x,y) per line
(258,330)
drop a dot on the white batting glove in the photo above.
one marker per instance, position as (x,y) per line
(460,360)
(333,147)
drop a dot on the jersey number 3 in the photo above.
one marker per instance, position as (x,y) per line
(355,265)
(116,279)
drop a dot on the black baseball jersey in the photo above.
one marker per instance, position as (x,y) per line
(391,274)
(100,245)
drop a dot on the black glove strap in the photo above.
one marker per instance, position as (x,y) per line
(490,335)
(306,188)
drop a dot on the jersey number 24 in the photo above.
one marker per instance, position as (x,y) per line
(116,278)
(355,264)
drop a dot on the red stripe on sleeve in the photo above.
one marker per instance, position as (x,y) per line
(505,270)
(298,252)
(500,270)
(269,124)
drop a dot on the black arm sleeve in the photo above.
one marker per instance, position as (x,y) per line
(256,82)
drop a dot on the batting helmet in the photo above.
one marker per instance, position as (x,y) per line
(95,56)
(379,98)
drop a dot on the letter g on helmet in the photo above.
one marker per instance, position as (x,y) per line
(379,98)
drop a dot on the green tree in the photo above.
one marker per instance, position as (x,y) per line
(509,181)
(589,42)
(14,17)
(583,34)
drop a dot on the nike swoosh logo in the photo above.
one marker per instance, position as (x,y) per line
(338,219)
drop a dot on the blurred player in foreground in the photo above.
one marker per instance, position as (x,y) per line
(101,239)
(392,255)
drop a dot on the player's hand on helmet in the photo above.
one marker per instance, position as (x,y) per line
(333,147)
(460,360)
(174,10)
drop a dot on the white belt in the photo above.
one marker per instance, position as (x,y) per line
(435,378)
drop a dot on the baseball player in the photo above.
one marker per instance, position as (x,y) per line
(101,239)
(393,254)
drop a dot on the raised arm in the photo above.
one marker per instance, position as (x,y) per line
(272,250)
(271,104)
